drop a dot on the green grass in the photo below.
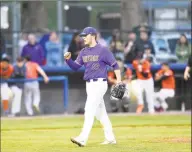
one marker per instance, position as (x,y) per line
(160,133)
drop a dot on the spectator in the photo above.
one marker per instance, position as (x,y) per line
(19,71)
(148,56)
(31,88)
(101,40)
(22,42)
(143,27)
(183,49)
(116,45)
(142,43)
(54,50)
(75,45)
(34,50)
(130,47)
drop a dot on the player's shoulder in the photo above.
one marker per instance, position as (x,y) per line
(135,61)
(103,48)
(170,71)
(11,66)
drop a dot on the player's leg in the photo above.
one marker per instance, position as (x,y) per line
(149,89)
(92,102)
(157,96)
(36,96)
(16,102)
(5,97)
(140,97)
(101,115)
(165,93)
(28,98)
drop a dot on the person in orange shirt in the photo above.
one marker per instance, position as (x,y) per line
(166,76)
(146,83)
(126,74)
(31,89)
(6,70)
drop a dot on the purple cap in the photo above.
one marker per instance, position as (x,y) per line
(88,30)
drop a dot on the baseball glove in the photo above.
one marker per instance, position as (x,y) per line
(118,91)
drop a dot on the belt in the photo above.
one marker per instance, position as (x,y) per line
(94,80)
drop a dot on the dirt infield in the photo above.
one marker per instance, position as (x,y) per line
(174,140)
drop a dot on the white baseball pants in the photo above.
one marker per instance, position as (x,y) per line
(95,107)
(148,87)
(16,101)
(31,95)
(161,96)
(4,91)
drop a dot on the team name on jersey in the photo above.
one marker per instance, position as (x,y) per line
(90,58)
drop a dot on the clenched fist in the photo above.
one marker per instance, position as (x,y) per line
(67,55)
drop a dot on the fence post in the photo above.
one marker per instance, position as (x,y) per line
(65,94)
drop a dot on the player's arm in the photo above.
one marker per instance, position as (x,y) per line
(111,77)
(163,75)
(158,75)
(43,74)
(128,74)
(75,65)
(109,59)
(145,69)
(188,69)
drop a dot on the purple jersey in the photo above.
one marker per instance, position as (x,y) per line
(95,59)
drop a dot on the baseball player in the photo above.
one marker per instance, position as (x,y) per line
(126,74)
(146,83)
(6,70)
(31,89)
(19,71)
(166,75)
(95,59)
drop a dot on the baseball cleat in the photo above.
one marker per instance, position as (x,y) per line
(106,142)
(36,110)
(78,142)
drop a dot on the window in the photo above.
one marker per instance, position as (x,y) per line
(165,13)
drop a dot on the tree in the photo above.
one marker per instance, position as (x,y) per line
(131,14)
(34,16)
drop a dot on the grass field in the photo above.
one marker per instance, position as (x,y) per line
(158,133)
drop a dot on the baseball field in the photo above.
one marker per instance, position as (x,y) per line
(143,133)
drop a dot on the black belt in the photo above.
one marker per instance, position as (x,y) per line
(94,80)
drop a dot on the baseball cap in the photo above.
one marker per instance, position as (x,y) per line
(5,59)
(88,30)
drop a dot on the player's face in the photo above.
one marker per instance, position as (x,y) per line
(164,67)
(87,39)
(20,64)
(5,64)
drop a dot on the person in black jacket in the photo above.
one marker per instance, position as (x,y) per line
(142,43)
(75,46)
(130,47)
